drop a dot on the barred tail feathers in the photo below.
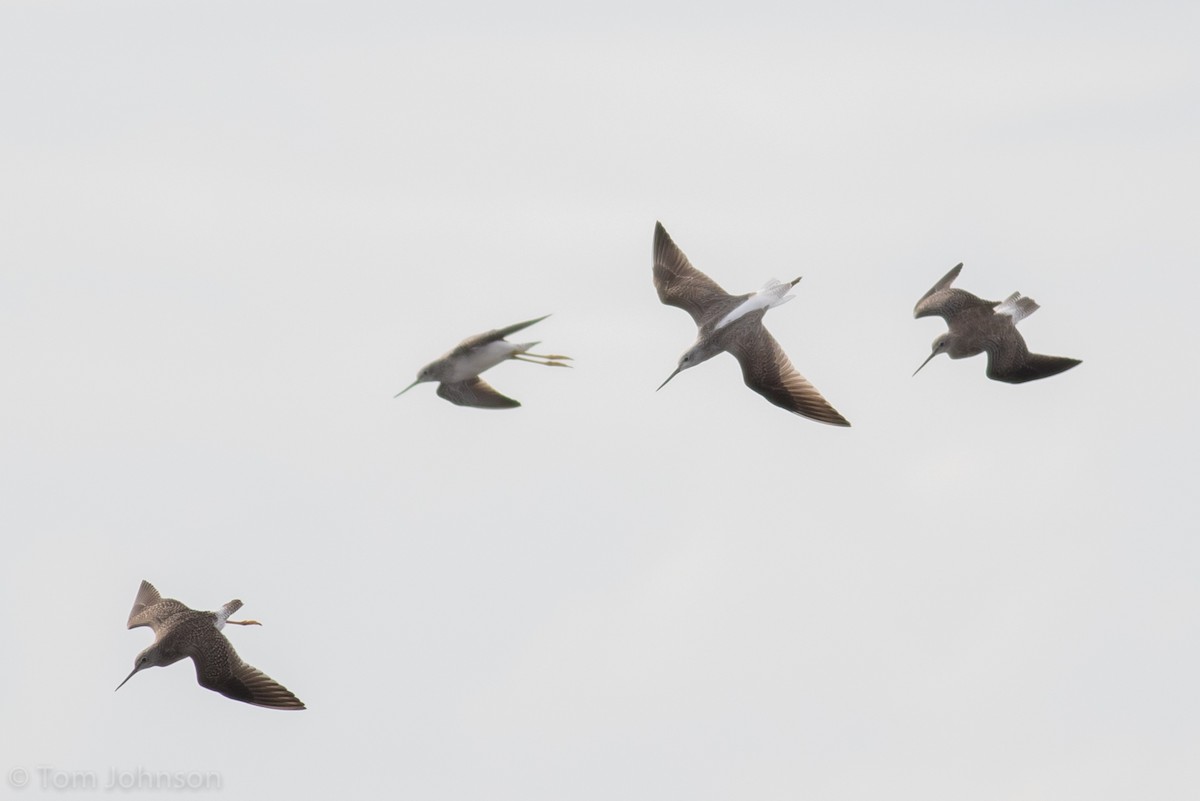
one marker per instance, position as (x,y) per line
(1017,307)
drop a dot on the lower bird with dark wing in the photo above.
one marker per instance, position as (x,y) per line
(987,326)
(181,632)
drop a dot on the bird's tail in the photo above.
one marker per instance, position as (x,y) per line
(775,292)
(1017,307)
(225,611)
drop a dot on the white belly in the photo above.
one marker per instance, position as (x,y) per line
(480,359)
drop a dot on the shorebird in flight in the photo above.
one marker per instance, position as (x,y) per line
(733,323)
(987,326)
(181,632)
(457,372)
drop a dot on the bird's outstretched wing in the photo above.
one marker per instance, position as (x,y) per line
(475,392)
(943,283)
(680,284)
(494,335)
(1009,360)
(220,669)
(943,301)
(767,370)
(151,609)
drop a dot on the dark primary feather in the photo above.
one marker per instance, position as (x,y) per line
(219,668)
(1016,366)
(680,284)
(767,370)
(493,335)
(475,392)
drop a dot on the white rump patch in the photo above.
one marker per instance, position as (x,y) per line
(772,294)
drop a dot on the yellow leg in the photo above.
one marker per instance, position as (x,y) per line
(550,360)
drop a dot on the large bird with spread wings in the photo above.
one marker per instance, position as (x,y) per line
(180,632)
(733,323)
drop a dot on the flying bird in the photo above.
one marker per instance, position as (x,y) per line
(457,372)
(181,632)
(979,326)
(733,323)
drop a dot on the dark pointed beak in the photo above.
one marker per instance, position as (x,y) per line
(935,353)
(127,678)
(672,375)
(406,389)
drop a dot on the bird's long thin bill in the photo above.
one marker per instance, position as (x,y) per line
(672,375)
(406,389)
(127,678)
(935,353)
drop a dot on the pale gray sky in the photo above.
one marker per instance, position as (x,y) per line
(232,231)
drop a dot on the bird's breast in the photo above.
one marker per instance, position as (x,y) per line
(477,360)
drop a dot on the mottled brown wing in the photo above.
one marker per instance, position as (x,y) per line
(943,301)
(151,609)
(219,668)
(1009,360)
(767,370)
(943,283)
(494,335)
(475,392)
(680,284)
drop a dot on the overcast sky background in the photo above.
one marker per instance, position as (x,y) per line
(230,232)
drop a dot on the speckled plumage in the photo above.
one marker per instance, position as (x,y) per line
(986,326)
(181,633)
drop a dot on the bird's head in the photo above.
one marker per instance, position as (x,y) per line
(429,372)
(150,657)
(700,352)
(940,345)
